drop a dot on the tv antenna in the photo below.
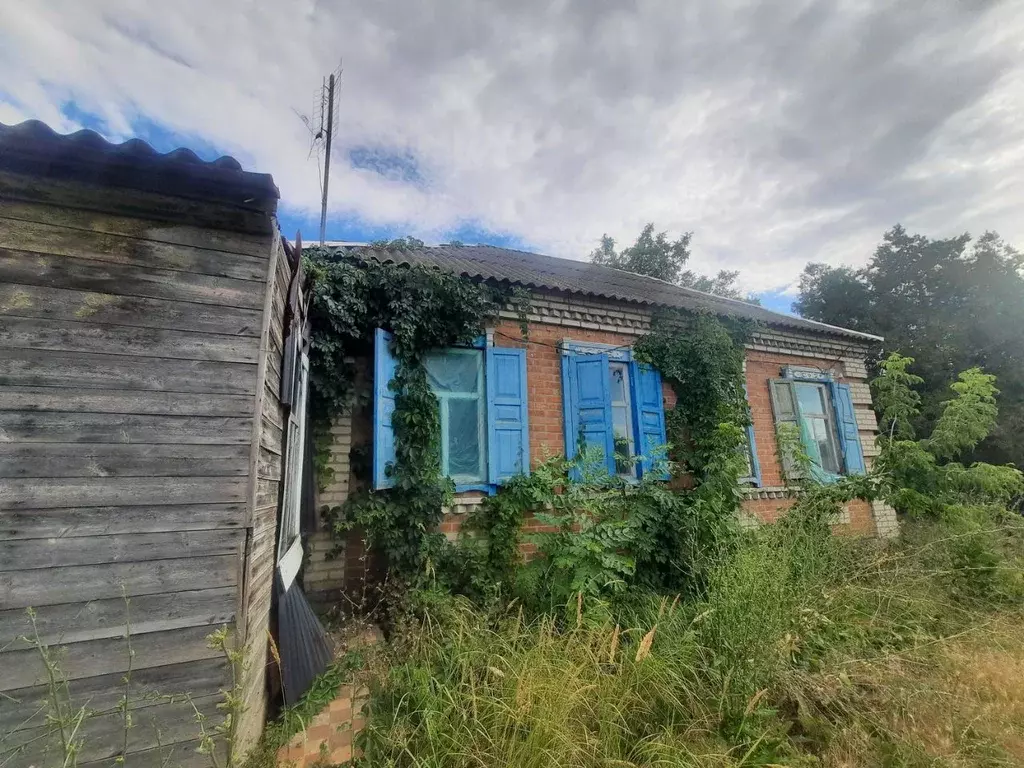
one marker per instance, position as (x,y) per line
(321,130)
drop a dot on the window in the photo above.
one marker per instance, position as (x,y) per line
(482,398)
(622,421)
(822,411)
(614,412)
(456,376)
(816,426)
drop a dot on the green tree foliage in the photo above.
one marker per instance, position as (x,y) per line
(654,255)
(923,476)
(954,304)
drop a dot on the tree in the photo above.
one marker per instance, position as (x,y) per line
(654,255)
(952,304)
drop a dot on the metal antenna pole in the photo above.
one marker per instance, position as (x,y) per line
(327,157)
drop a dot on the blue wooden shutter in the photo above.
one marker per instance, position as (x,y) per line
(648,416)
(588,407)
(384,367)
(755,464)
(508,450)
(849,435)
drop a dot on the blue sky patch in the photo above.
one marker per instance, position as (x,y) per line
(394,165)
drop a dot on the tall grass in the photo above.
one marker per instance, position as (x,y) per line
(806,649)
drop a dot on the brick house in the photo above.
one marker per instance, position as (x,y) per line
(509,403)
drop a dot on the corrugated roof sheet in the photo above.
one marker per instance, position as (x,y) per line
(535,270)
(33,148)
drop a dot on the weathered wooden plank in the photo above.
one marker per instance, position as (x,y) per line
(273,412)
(135,203)
(103,521)
(27,268)
(79,583)
(146,229)
(268,464)
(98,619)
(102,736)
(24,554)
(67,336)
(123,401)
(121,460)
(184,754)
(272,437)
(101,657)
(126,428)
(66,304)
(267,492)
(55,240)
(31,493)
(103,692)
(31,368)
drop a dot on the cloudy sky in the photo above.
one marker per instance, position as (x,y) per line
(778,132)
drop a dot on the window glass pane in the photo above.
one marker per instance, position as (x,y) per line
(450,372)
(464,438)
(618,383)
(811,398)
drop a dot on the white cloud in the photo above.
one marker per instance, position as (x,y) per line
(778,133)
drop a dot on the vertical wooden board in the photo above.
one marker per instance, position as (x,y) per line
(102,521)
(102,657)
(29,493)
(70,304)
(146,229)
(98,619)
(34,368)
(102,692)
(26,554)
(27,268)
(36,237)
(69,584)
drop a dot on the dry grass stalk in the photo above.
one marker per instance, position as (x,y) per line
(615,644)
(645,645)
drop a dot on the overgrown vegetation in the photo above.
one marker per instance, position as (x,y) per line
(648,629)
(798,648)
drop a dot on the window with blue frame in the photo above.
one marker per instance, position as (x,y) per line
(614,413)
(821,409)
(482,401)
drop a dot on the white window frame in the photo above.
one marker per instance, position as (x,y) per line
(480,396)
(289,543)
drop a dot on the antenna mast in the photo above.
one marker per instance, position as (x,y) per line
(321,130)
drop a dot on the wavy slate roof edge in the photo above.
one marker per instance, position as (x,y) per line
(34,147)
(534,270)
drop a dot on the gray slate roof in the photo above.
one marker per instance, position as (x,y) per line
(33,148)
(533,270)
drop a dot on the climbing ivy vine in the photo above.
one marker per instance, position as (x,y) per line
(424,309)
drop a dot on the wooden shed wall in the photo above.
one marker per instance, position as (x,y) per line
(130,372)
(265,494)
